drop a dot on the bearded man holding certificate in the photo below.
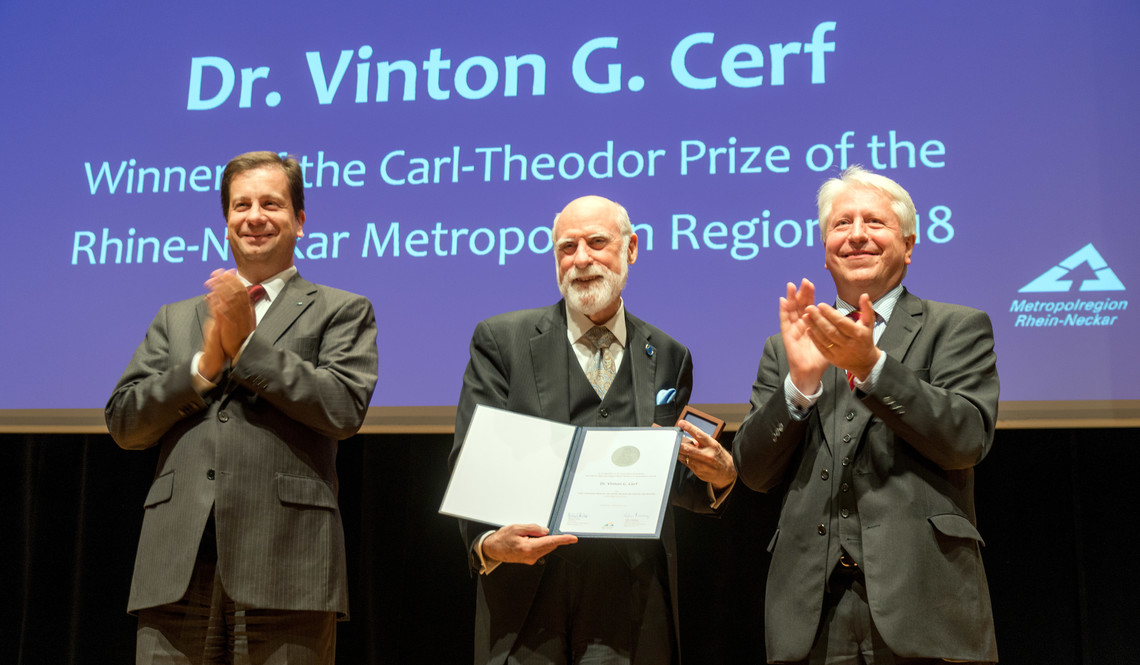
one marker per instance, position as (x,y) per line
(584,361)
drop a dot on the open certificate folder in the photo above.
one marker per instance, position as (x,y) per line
(586,481)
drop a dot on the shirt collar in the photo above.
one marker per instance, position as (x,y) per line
(883,307)
(275,284)
(577,324)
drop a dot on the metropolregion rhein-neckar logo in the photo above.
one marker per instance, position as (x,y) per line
(1080,291)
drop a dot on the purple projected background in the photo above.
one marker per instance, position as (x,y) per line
(1015,133)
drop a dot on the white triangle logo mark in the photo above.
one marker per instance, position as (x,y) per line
(1051,280)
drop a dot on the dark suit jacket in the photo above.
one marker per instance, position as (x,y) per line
(260,448)
(928,420)
(519,362)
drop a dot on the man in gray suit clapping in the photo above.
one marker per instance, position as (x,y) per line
(247,390)
(869,415)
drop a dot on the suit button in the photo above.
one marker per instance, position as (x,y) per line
(844,513)
(821,530)
(210,474)
(850,415)
(824,475)
(846,438)
(604,412)
(846,461)
(844,487)
(223,416)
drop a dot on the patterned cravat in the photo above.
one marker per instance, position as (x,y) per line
(256,292)
(602,367)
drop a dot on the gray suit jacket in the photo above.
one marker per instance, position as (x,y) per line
(519,361)
(260,448)
(928,420)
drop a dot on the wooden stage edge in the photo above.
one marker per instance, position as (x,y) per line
(1092,414)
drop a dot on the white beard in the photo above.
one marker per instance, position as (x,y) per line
(595,295)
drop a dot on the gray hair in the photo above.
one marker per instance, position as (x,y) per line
(625,227)
(857,176)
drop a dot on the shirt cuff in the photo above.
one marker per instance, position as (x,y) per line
(716,499)
(201,384)
(486,564)
(869,384)
(800,404)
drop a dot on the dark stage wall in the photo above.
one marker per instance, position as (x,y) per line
(1052,505)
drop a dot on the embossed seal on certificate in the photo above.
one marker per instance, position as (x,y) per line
(626,456)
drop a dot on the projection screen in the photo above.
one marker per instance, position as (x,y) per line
(439,139)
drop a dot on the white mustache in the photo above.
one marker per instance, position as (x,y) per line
(583,273)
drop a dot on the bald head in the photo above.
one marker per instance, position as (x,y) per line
(594,244)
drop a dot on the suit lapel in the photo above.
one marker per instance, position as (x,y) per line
(550,357)
(202,311)
(297,296)
(643,366)
(906,321)
(222,384)
(829,402)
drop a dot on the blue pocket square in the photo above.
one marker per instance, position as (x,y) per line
(666,396)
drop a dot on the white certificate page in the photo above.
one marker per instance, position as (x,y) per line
(620,486)
(509,469)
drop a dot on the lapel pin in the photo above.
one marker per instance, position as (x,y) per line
(649,350)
